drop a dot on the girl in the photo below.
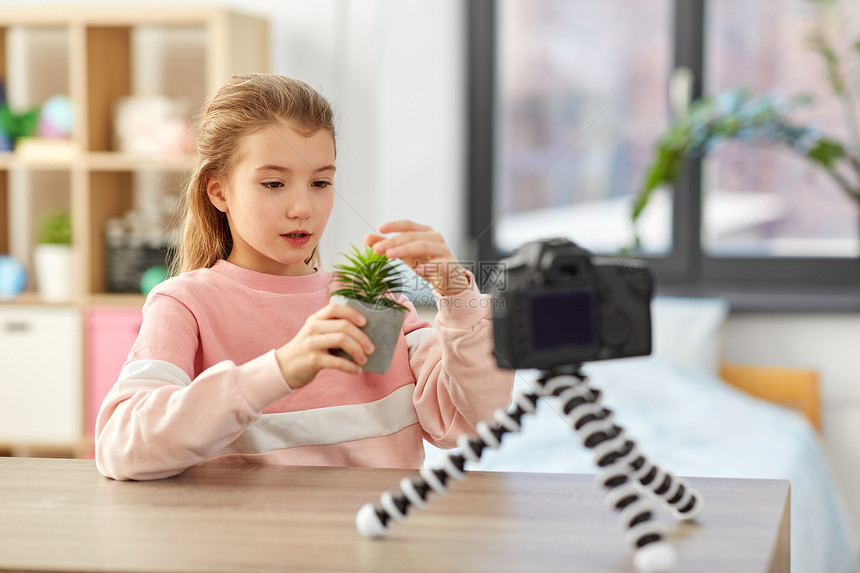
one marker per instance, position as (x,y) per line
(232,362)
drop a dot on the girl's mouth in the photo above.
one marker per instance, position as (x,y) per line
(298,238)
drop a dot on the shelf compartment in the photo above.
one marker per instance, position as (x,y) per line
(108,64)
(111,195)
(3,52)
(36,49)
(31,193)
(4,212)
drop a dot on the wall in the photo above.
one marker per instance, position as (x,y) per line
(829,344)
(393,71)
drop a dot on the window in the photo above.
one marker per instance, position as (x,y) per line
(567,99)
(772,202)
(578,110)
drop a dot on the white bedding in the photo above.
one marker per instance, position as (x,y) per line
(693,424)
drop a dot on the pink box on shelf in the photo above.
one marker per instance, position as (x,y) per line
(111,333)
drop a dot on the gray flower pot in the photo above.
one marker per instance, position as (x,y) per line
(383,327)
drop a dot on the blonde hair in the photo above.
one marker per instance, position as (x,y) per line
(242,106)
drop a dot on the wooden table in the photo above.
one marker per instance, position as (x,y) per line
(62,515)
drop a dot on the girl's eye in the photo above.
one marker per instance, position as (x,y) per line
(272,184)
(321,184)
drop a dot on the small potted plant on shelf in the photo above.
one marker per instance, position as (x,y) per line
(53,256)
(16,124)
(368,281)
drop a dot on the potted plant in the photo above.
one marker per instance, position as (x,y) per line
(53,256)
(368,281)
(762,120)
(15,124)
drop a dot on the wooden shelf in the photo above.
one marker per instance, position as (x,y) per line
(100,161)
(80,449)
(28,298)
(98,54)
(115,161)
(107,14)
(9,160)
(128,300)
(122,300)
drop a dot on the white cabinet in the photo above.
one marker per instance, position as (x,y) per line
(40,375)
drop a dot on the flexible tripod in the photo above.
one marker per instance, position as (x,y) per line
(623,470)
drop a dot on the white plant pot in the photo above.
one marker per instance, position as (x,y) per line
(55,271)
(383,327)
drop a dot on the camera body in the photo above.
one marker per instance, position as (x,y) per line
(559,305)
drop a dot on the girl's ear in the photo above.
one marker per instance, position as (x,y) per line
(215,190)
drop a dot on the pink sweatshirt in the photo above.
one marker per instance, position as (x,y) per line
(202,382)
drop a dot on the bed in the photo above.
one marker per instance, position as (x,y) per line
(687,418)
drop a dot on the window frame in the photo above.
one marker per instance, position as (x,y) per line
(759,284)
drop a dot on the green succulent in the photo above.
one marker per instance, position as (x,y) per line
(370,277)
(55,228)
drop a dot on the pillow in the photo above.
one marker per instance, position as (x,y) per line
(688,331)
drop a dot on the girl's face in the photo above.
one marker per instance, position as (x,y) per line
(278,199)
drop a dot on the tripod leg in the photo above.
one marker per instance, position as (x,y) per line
(675,493)
(373,521)
(622,469)
(645,537)
(582,406)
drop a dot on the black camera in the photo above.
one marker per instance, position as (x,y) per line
(559,305)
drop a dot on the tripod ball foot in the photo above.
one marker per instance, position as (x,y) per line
(368,522)
(656,557)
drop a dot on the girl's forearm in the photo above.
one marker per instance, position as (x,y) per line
(155,422)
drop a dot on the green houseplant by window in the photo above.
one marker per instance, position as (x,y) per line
(53,256)
(368,281)
(765,120)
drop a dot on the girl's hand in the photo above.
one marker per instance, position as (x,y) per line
(424,251)
(335,326)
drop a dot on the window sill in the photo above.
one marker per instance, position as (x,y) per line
(773,298)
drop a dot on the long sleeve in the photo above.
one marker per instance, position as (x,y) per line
(457,381)
(202,382)
(156,421)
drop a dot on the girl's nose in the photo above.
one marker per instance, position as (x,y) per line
(298,205)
